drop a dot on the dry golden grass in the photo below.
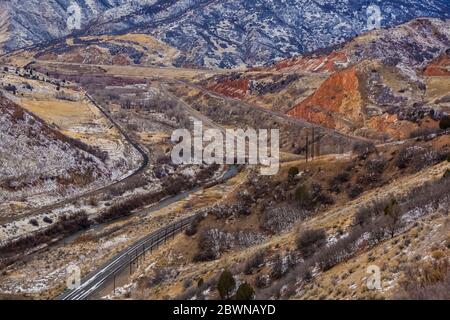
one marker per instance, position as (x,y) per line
(134,71)
(391,256)
(345,281)
(62,113)
(437,87)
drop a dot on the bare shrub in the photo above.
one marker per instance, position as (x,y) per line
(47,220)
(193,227)
(303,197)
(207,248)
(375,168)
(426,282)
(338,180)
(66,225)
(161,275)
(403,157)
(255,262)
(309,241)
(355,191)
(34,222)
(282,218)
(278,267)
(262,280)
(365,215)
(363,149)
(187,283)
(424,159)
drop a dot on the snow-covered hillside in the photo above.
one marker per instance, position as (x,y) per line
(218,33)
(35,159)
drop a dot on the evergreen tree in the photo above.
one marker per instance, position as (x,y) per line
(226,284)
(245,292)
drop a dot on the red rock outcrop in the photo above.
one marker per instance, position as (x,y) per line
(321,63)
(232,88)
(338,98)
(438,67)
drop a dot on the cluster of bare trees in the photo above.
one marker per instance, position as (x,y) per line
(93,150)
(279,83)
(161,104)
(62,95)
(171,185)
(416,158)
(64,226)
(126,207)
(213,242)
(383,219)
(282,218)
(426,281)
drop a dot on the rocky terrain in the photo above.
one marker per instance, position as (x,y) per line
(296,249)
(376,85)
(357,210)
(129,49)
(4,35)
(38,161)
(213,33)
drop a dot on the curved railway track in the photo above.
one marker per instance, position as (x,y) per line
(129,256)
(89,194)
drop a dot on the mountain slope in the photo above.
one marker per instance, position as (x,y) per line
(380,86)
(391,81)
(140,49)
(3,26)
(38,160)
(216,33)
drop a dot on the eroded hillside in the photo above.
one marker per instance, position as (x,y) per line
(383,84)
(129,49)
(38,161)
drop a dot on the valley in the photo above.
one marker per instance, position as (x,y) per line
(88,178)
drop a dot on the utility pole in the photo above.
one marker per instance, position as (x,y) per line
(307,146)
(313,144)
(318,146)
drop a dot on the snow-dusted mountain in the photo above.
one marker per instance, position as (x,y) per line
(217,33)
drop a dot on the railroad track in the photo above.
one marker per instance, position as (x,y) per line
(128,257)
(141,168)
(125,259)
(281,116)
